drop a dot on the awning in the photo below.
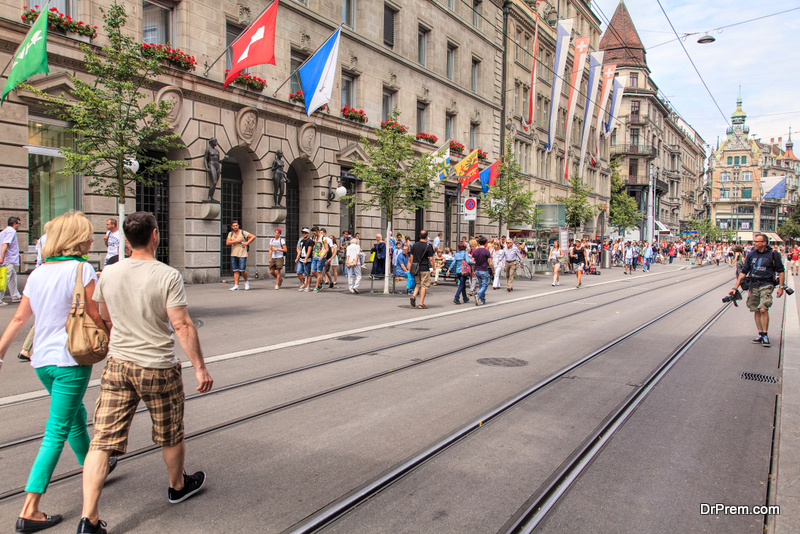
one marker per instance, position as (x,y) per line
(660,226)
(773,237)
(745,236)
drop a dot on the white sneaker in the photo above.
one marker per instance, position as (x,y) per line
(235,288)
(277,286)
(247,286)
(301,288)
(558,283)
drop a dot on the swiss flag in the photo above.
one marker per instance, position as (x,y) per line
(256,45)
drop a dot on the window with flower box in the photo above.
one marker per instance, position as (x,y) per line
(158,22)
(348,85)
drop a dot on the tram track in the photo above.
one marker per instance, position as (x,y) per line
(398,369)
(371,351)
(349,502)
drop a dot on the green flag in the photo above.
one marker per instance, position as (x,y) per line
(31,56)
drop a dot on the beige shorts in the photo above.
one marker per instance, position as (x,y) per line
(423,279)
(276,263)
(760,298)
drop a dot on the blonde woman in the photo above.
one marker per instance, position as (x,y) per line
(48,296)
(554,258)
(473,281)
(498,262)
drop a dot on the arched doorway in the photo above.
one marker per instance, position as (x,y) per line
(292,216)
(230,210)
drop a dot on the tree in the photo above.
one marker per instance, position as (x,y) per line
(577,209)
(623,211)
(395,179)
(509,201)
(708,231)
(113,120)
(789,229)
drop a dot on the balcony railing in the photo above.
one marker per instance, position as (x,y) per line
(642,150)
(636,118)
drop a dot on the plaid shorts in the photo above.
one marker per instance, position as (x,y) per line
(122,386)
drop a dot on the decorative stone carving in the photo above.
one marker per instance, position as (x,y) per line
(247,125)
(476,117)
(425,97)
(307,140)
(244,15)
(452,109)
(174,96)
(353,61)
(305,41)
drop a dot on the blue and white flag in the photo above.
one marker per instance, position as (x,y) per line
(774,187)
(616,102)
(562,50)
(318,73)
(595,64)
(442,161)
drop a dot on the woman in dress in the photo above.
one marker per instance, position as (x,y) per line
(499,263)
(555,261)
(48,296)
(378,266)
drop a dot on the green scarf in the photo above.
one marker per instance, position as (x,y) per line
(62,258)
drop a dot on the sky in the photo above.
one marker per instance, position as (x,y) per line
(759,55)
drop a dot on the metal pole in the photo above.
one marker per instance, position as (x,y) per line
(458,218)
(650,208)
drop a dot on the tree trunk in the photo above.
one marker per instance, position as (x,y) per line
(387,264)
(121,220)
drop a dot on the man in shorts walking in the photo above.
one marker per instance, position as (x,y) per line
(421,253)
(239,241)
(760,267)
(277,250)
(304,247)
(138,299)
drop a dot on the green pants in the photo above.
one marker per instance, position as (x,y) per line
(67,421)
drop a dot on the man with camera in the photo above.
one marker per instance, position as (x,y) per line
(758,274)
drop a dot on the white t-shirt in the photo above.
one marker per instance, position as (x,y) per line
(276,245)
(113,244)
(9,237)
(49,289)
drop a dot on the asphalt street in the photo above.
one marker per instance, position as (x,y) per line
(352,385)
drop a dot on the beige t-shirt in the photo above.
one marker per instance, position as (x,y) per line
(137,294)
(237,249)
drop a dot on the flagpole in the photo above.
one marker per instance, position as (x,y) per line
(44,10)
(306,61)
(205,73)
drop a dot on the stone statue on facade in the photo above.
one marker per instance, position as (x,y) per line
(211,161)
(278,179)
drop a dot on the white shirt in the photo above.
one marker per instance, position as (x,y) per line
(276,245)
(113,244)
(436,242)
(353,251)
(49,289)
(9,237)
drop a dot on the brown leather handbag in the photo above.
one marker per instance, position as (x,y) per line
(86,342)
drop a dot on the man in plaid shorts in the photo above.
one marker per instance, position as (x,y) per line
(138,298)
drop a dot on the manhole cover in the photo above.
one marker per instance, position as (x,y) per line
(198,323)
(502,362)
(767,379)
(350,338)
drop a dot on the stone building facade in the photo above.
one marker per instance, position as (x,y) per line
(740,175)
(439,63)
(651,133)
(545,169)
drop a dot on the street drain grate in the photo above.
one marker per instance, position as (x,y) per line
(767,379)
(350,338)
(502,362)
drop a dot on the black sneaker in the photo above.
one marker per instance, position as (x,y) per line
(191,485)
(112,464)
(757,341)
(87,526)
(765,341)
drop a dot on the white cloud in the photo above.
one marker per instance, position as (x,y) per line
(758,55)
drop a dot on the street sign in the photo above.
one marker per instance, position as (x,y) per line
(470,209)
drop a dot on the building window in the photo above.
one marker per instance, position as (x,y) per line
(157,22)
(296,60)
(747,192)
(525,102)
(634,80)
(348,90)
(474,73)
(449,126)
(516,99)
(387,104)
(526,60)
(730,160)
(349,12)
(473,136)
(422,111)
(388,26)
(736,160)
(518,50)
(451,61)
(451,4)
(635,137)
(747,176)
(613,140)
(635,110)
(476,13)
(63,6)
(422,45)
(50,193)
(231,34)
(725,177)
(744,160)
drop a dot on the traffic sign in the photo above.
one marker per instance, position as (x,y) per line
(470,209)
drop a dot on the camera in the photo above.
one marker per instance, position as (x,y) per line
(733,296)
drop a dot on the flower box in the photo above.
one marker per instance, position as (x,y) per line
(254,83)
(56,20)
(482,155)
(299,98)
(429,138)
(456,147)
(353,114)
(172,56)
(393,125)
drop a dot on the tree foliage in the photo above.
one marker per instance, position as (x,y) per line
(577,208)
(114,120)
(623,211)
(509,200)
(708,231)
(395,179)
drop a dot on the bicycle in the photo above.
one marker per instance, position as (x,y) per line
(525,269)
